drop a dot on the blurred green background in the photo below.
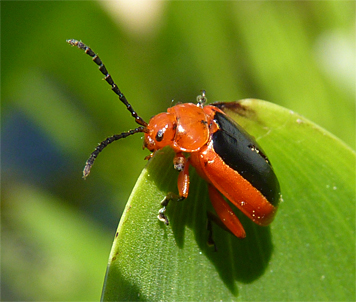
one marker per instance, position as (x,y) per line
(57,229)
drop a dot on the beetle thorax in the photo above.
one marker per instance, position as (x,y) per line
(183,127)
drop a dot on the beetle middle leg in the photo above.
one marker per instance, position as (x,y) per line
(181,164)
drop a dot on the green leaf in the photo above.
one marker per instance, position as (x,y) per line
(307,253)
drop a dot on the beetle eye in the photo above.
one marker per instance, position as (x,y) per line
(159,135)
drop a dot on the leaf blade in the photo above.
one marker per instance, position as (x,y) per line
(294,258)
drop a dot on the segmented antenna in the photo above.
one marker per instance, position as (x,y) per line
(103,144)
(108,78)
(122,98)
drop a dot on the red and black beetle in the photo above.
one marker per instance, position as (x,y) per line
(227,157)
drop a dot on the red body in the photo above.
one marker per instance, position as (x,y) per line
(188,129)
(221,151)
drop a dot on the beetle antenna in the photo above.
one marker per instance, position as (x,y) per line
(108,78)
(104,143)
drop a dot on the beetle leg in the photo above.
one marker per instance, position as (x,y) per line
(183,186)
(212,217)
(225,213)
(170,196)
(179,161)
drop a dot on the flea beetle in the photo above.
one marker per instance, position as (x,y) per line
(224,155)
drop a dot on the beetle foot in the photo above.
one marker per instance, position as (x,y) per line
(211,241)
(162,217)
(170,196)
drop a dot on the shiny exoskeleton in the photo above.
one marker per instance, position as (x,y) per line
(223,154)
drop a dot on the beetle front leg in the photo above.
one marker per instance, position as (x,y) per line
(181,164)
(170,196)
